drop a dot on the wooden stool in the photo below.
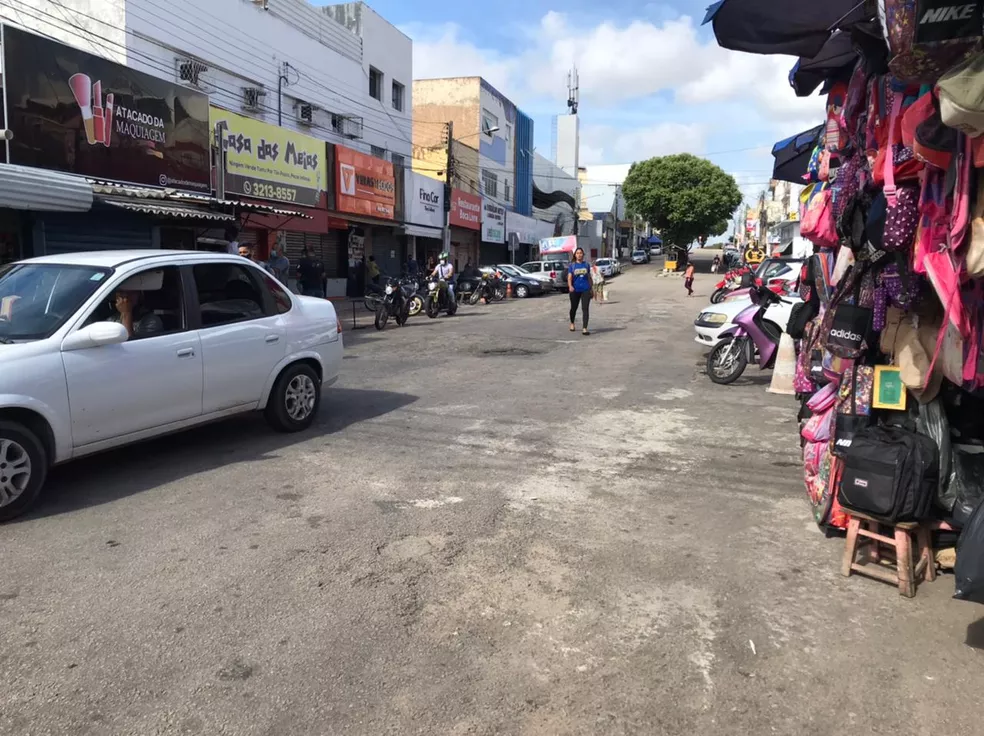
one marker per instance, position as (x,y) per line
(864,535)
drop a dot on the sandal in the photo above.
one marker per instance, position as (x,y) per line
(585,331)
(573,328)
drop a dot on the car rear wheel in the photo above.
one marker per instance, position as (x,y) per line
(23,469)
(295,399)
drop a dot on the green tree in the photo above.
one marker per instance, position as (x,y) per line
(682,196)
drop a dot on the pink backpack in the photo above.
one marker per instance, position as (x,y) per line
(928,37)
(817,223)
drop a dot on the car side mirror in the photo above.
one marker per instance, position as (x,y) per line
(96,335)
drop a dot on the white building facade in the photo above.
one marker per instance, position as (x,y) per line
(342,74)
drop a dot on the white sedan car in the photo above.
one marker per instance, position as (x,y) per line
(605,267)
(107,348)
(715,323)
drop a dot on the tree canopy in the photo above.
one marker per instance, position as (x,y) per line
(682,196)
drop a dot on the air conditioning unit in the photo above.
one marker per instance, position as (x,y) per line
(252,98)
(350,127)
(305,113)
(191,72)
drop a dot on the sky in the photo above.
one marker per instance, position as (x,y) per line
(652,80)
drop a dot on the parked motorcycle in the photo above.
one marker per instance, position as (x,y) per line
(728,360)
(732,280)
(393,304)
(482,290)
(416,290)
(439,299)
(373,297)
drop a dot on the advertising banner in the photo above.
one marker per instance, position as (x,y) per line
(268,162)
(424,200)
(75,112)
(365,185)
(466,210)
(493,222)
(566,244)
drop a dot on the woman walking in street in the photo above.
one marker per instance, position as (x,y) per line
(579,287)
(688,278)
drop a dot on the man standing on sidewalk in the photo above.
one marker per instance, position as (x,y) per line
(311,274)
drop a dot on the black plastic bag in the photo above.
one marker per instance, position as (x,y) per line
(966,482)
(969,572)
(932,422)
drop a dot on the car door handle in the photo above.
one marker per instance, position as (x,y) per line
(272,338)
(186,353)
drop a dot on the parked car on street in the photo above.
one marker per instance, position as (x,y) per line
(556,268)
(605,267)
(107,348)
(639,256)
(714,324)
(523,284)
(655,250)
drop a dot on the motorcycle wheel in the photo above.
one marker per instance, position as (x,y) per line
(727,361)
(432,310)
(382,317)
(416,305)
(475,298)
(371,303)
(499,294)
(718,296)
(453,308)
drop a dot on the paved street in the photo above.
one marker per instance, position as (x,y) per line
(496,527)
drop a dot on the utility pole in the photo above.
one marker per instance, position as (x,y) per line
(448,185)
(282,80)
(221,158)
(617,211)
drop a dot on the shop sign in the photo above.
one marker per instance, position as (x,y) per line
(526,228)
(268,162)
(72,111)
(424,200)
(493,222)
(466,210)
(365,185)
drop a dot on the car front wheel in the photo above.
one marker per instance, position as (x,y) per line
(522,291)
(23,469)
(294,401)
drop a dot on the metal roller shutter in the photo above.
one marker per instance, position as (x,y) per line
(331,243)
(248,237)
(68,233)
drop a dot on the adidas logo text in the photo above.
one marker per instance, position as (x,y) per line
(860,483)
(954,12)
(846,335)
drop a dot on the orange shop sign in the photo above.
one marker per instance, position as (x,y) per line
(466,210)
(365,185)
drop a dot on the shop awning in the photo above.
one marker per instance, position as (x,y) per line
(422,231)
(41,190)
(221,206)
(177,210)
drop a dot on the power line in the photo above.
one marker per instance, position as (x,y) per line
(150,61)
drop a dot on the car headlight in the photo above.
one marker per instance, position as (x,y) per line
(713,318)
(432,285)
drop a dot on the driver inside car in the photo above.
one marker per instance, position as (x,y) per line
(130,312)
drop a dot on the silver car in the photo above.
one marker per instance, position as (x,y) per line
(551,272)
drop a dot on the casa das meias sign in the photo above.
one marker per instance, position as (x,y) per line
(72,111)
(269,162)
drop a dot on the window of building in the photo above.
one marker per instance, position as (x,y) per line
(397,101)
(378,152)
(490,183)
(508,132)
(489,123)
(506,192)
(398,160)
(375,83)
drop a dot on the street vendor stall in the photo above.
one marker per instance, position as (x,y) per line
(890,366)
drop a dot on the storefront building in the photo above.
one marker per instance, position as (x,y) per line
(493,248)
(466,226)
(424,215)
(365,198)
(528,232)
(288,171)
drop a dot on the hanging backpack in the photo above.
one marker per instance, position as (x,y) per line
(817,224)
(854,399)
(846,330)
(927,37)
(961,92)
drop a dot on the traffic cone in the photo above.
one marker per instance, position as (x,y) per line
(785,367)
(508,291)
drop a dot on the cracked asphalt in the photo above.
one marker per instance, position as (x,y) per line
(495,527)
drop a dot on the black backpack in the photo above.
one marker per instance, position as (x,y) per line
(890,474)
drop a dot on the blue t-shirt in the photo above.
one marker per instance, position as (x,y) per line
(581,276)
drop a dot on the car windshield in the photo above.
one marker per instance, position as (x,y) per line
(37,299)
(602,261)
(514,270)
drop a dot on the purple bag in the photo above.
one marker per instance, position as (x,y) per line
(902,220)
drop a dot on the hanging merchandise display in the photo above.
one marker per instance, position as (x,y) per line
(890,333)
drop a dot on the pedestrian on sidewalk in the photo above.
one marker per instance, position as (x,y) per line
(688,278)
(579,288)
(310,274)
(373,270)
(597,284)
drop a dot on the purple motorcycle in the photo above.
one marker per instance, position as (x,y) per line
(727,361)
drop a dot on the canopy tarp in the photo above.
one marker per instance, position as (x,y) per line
(792,155)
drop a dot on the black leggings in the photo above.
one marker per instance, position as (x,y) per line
(584,299)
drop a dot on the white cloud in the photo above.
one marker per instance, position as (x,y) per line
(706,91)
